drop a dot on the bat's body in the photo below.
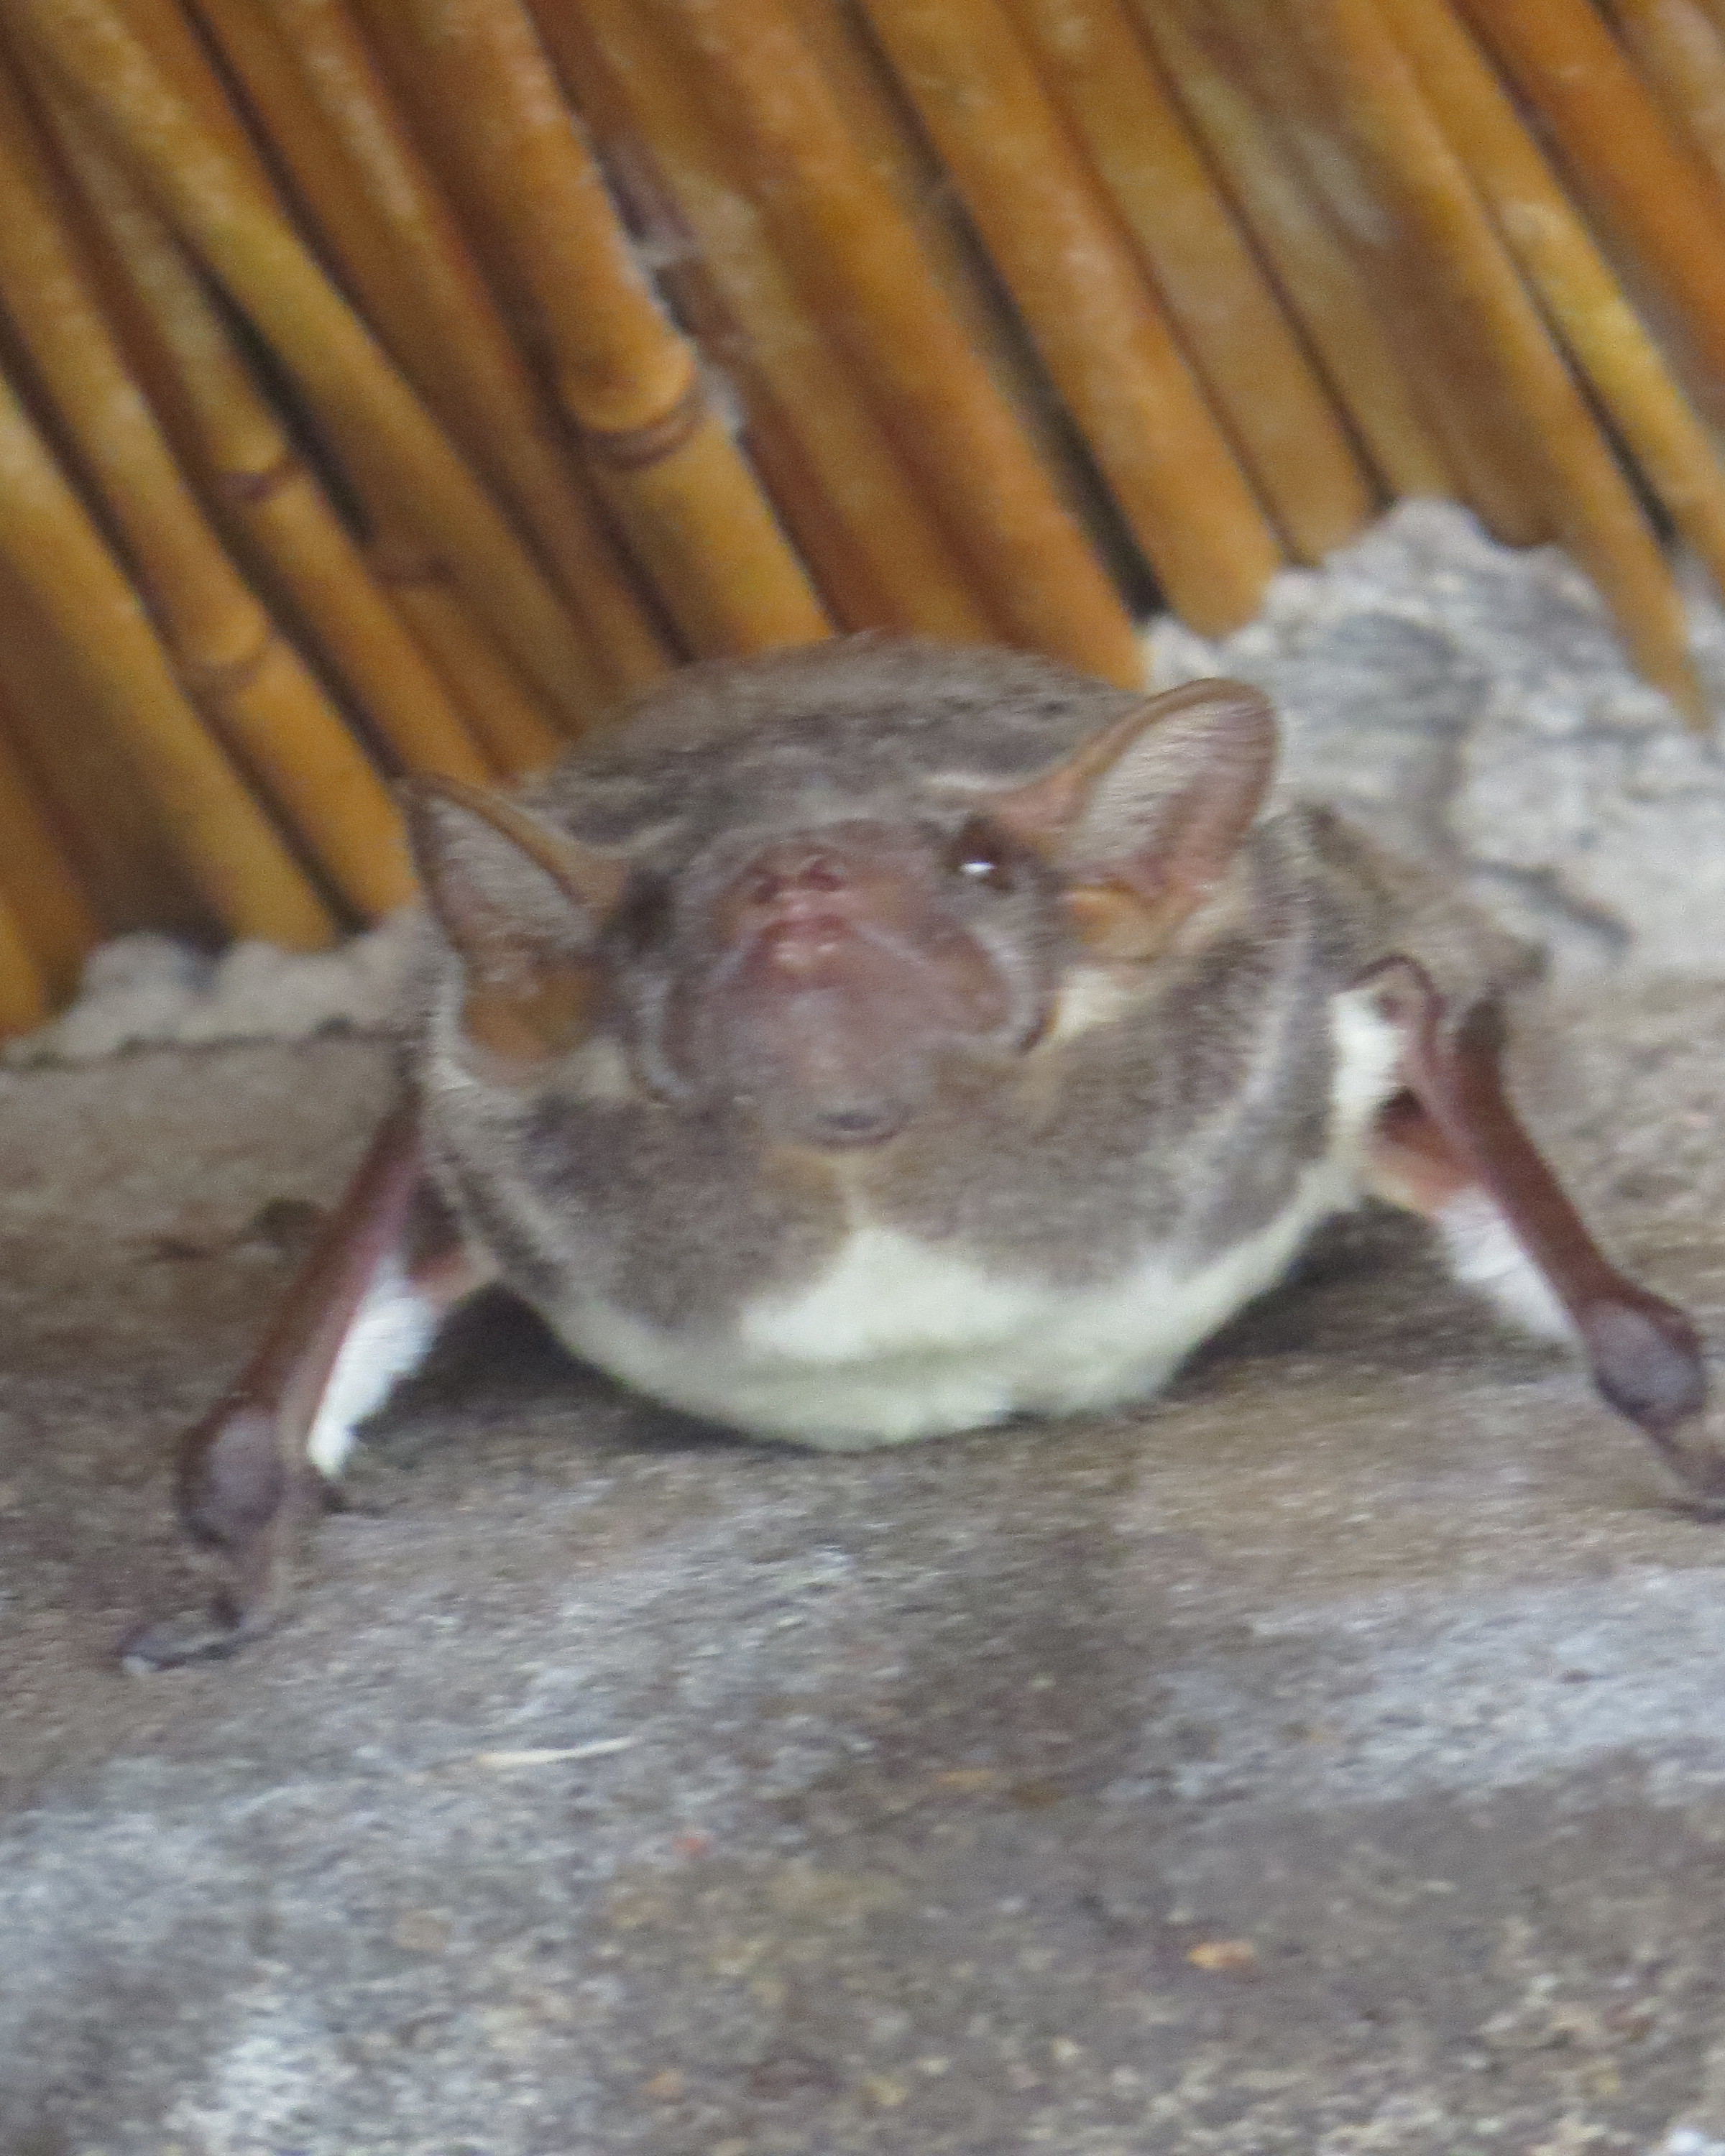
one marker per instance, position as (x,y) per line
(881,1040)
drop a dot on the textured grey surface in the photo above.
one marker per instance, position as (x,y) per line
(1470,701)
(1327,1759)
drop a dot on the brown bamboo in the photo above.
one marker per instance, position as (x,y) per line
(873,547)
(1086,304)
(878,550)
(1560,260)
(628,381)
(1428,193)
(119,851)
(1681,54)
(56,556)
(233,663)
(1653,192)
(415,77)
(1277,411)
(231,433)
(309,74)
(880,131)
(835,222)
(1460,399)
(380,424)
(1321,285)
(56,920)
(499,706)
(167,33)
(1465,398)
(884,131)
(635,178)
(427,674)
(23,996)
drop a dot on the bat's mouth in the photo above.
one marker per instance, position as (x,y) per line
(821,1045)
(839,978)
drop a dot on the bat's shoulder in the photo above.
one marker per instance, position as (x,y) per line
(1365,902)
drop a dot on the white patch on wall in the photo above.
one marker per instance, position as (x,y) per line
(1470,702)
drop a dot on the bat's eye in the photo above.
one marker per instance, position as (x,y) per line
(978,857)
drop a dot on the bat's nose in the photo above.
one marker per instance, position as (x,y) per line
(800,901)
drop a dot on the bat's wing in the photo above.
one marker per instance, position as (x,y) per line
(361,1311)
(1448,1145)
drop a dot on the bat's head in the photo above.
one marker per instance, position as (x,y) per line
(811,922)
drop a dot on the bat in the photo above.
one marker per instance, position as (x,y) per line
(880,1038)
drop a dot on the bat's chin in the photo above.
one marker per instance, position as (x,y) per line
(825,1030)
(826,1066)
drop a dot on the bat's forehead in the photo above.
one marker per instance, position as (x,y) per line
(860,725)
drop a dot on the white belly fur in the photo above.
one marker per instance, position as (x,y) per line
(900,1339)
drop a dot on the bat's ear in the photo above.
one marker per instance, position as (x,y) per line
(521,903)
(1145,819)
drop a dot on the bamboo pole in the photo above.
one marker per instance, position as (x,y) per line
(1428,193)
(873,548)
(231,851)
(1461,401)
(165,29)
(656,447)
(380,425)
(56,920)
(1682,55)
(119,851)
(234,436)
(1653,193)
(415,78)
(310,75)
(877,131)
(427,673)
(501,710)
(234,665)
(1560,260)
(885,132)
(387,615)
(23,998)
(1092,316)
(1321,285)
(877,548)
(1277,411)
(835,222)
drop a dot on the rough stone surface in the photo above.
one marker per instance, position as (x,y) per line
(1470,702)
(1327,1760)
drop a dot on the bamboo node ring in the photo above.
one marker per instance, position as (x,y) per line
(630,449)
(248,488)
(218,680)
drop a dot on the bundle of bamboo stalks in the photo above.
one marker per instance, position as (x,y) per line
(390,385)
